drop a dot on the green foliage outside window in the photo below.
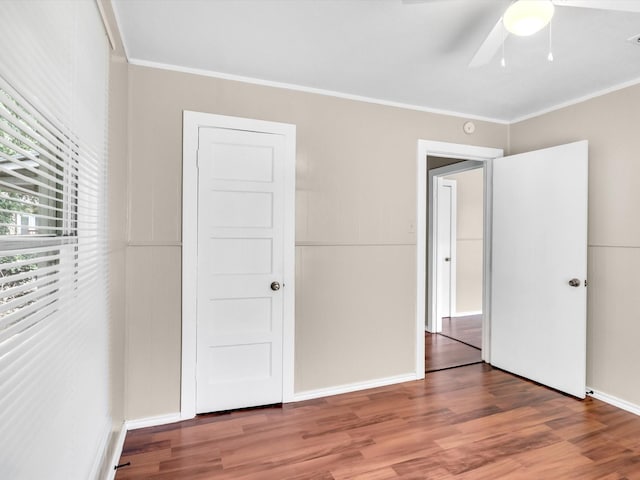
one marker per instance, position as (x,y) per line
(13,203)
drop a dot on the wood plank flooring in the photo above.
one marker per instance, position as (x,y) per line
(441,352)
(471,422)
(467,329)
(459,344)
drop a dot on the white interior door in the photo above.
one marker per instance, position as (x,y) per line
(446,226)
(240,269)
(539,266)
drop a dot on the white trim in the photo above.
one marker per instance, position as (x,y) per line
(487,249)
(467,314)
(105,24)
(354,387)
(313,243)
(117,452)
(450,150)
(123,37)
(301,88)
(289,260)
(192,122)
(575,101)
(153,421)
(189,264)
(459,151)
(421,256)
(153,243)
(331,93)
(98,462)
(615,401)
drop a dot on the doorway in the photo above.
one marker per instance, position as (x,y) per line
(432,155)
(534,260)
(454,338)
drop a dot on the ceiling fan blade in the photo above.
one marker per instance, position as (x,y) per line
(490,46)
(618,5)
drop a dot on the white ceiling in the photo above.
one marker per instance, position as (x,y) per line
(401,51)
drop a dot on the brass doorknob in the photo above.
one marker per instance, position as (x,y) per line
(275,286)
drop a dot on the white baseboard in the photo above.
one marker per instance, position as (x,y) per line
(615,401)
(117,452)
(466,314)
(153,421)
(353,387)
(133,425)
(98,462)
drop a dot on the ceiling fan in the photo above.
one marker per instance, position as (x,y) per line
(526,17)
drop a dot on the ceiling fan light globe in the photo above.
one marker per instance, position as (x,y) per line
(526,17)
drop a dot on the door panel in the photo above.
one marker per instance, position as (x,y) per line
(240,253)
(237,161)
(242,209)
(539,243)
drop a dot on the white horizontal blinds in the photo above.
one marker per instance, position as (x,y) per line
(37,39)
(37,169)
(54,340)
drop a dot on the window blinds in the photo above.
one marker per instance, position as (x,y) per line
(54,379)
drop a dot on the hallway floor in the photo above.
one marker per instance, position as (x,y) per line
(466,329)
(459,344)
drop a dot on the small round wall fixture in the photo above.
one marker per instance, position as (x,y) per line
(469,128)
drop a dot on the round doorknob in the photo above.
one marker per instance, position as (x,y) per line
(574,282)
(275,286)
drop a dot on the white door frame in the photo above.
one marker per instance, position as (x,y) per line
(192,122)
(464,152)
(437,181)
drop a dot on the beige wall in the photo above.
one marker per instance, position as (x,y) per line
(469,226)
(355,246)
(117,228)
(355,268)
(355,228)
(610,124)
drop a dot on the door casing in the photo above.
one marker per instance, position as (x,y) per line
(192,121)
(424,302)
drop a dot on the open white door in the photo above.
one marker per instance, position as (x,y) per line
(539,266)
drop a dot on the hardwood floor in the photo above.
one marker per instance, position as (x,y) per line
(471,422)
(466,329)
(459,344)
(441,352)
